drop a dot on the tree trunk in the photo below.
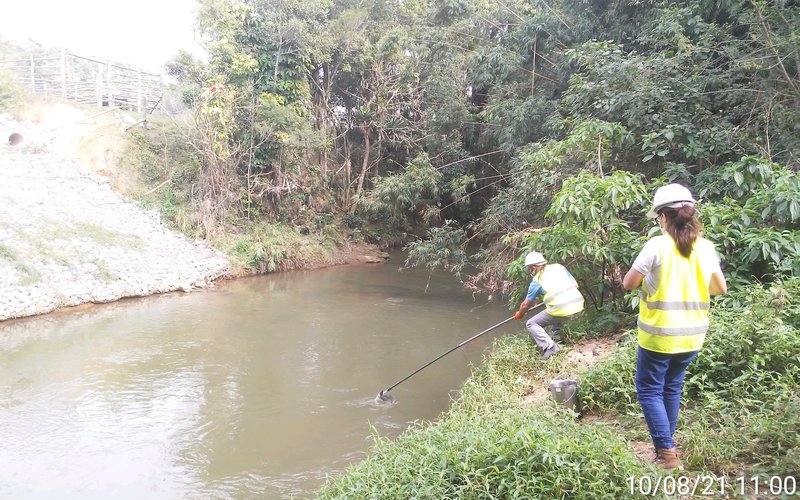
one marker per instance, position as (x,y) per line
(365,161)
(277,170)
(533,66)
(348,171)
(275,72)
(323,119)
(251,149)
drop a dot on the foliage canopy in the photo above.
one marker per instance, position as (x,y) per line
(522,124)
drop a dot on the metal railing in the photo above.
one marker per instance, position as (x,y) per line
(88,81)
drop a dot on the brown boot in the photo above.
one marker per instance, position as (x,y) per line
(668,458)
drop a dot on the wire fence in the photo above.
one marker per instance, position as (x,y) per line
(88,81)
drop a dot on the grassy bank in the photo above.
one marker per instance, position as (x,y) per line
(490,444)
(741,419)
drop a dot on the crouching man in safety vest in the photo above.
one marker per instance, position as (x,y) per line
(561,297)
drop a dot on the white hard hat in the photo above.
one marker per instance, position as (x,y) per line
(672,196)
(535,258)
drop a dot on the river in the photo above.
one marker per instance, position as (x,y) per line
(259,387)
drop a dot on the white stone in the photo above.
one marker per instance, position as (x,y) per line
(73,240)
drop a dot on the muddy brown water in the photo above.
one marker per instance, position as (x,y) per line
(261,387)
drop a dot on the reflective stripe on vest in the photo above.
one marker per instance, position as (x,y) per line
(561,296)
(674,306)
(674,318)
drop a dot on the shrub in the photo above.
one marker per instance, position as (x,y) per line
(11,92)
(275,247)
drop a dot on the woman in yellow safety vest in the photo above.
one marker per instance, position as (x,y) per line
(678,272)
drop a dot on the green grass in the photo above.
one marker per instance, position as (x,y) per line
(27,274)
(276,247)
(490,445)
(107,236)
(102,272)
(509,452)
(46,252)
(8,253)
(505,450)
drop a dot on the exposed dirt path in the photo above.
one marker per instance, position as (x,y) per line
(579,358)
(642,449)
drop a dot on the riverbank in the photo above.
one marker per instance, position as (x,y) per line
(505,438)
(67,237)
(502,438)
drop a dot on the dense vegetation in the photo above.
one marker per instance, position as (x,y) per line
(742,391)
(461,121)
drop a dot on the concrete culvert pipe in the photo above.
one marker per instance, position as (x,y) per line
(15,139)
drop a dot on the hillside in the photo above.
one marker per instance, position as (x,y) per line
(66,237)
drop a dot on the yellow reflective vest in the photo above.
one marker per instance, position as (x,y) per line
(561,295)
(674,317)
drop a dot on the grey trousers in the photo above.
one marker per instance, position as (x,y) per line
(536,325)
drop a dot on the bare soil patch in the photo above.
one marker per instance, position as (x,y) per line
(643,450)
(579,358)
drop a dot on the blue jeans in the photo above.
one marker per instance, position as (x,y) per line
(659,384)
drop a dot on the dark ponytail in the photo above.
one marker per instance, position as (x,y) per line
(684,227)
